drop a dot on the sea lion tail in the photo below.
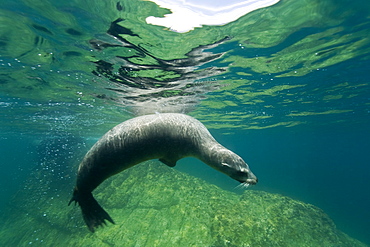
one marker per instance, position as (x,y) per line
(93,214)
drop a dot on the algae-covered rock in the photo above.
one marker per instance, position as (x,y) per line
(154,205)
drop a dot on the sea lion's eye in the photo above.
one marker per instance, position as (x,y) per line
(225,164)
(243,170)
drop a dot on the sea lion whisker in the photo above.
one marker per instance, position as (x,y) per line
(244,185)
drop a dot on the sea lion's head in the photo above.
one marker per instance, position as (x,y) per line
(234,166)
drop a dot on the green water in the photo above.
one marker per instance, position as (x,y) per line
(286,87)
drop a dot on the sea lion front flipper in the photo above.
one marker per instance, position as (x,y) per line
(170,163)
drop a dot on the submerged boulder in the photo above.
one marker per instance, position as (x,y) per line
(154,205)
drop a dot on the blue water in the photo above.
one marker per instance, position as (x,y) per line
(324,166)
(286,87)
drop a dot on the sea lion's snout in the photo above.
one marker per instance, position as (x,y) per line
(252,181)
(240,172)
(245,176)
(251,178)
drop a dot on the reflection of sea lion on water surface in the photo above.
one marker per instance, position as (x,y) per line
(167,137)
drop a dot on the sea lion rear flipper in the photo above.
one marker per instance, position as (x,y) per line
(169,163)
(93,214)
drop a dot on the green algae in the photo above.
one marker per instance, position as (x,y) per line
(154,205)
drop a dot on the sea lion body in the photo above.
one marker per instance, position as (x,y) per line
(167,137)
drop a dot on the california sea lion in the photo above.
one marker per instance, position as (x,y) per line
(167,137)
